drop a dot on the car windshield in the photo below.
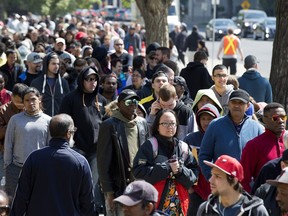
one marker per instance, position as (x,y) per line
(224,23)
(271,22)
(255,15)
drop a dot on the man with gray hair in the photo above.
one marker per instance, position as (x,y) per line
(56,170)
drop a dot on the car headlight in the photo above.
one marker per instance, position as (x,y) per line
(220,31)
(254,26)
(267,30)
(246,24)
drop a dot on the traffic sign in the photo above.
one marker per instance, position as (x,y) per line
(245,4)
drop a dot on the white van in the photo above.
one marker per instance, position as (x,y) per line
(173,17)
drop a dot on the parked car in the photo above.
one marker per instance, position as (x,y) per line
(108,12)
(247,18)
(265,29)
(123,15)
(221,27)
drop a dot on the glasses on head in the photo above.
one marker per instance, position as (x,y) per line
(4,210)
(275,118)
(91,79)
(73,130)
(131,101)
(168,124)
(221,75)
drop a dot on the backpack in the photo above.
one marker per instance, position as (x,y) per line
(183,146)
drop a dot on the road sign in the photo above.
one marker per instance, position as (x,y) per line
(245,4)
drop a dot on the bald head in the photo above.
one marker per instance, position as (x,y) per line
(60,125)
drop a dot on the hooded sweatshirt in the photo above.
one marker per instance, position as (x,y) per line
(209,93)
(224,98)
(85,110)
(202,188)
(249,205)
(256,85)
(197,77)
(51,95)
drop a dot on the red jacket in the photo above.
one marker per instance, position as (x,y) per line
(257,152)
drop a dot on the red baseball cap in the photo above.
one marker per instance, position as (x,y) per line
(228,165)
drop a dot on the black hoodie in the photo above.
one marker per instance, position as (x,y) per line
(85,110)
(51,98)
(197,77)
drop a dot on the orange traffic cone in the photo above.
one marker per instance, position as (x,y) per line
(131,50)
(143,48)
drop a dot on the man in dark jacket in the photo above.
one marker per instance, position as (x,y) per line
(227,192)
(86,107)
(196,74)
(55,180)
(119,139)
(191,43)
(268,192)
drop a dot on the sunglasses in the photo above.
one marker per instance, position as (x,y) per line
(91,79)
(131,101)
(275,118)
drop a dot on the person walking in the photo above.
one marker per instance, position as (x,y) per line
(55,180)
(168,164)
(120,137)
(26,131)
(228,197)
(230,44)
(191,43)
(252,81)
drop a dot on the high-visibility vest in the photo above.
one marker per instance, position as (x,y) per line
(230,44)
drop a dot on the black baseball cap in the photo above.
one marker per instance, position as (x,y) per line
(127,94)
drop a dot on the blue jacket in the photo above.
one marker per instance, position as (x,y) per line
(221,138)
(256,85)
(54,180)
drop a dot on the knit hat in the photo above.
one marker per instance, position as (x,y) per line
(151,47)
(136,192)
(228,165)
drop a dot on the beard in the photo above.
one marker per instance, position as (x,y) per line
(71,141)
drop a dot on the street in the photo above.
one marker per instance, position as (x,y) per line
(261,49)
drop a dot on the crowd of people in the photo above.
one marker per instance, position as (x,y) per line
(91,123)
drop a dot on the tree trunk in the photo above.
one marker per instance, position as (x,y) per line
(279,67)
(155,13)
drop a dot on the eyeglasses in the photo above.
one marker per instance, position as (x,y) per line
(221,75)
(118,44)
(91,79)
(152,58)
(4,209)
(131,101)
(275,118)
(73,130)
(136,75)
(1,81)
(168,124)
